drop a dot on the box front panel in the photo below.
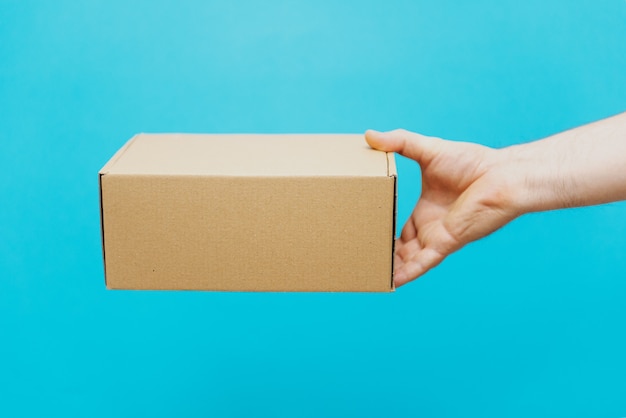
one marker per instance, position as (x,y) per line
(248,233)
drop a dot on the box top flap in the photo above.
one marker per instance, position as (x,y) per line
(250,155)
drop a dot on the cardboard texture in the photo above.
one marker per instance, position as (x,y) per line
(248,213)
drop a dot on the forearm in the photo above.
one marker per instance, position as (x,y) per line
(580,167)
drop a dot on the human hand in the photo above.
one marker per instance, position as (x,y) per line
(466,194)
(469,190)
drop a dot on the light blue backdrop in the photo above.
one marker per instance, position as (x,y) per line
(529,322)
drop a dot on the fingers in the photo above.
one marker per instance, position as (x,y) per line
(411,145)
(422,261)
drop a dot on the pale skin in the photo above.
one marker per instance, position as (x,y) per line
(470,190)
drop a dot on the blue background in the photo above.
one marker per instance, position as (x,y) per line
(528,322)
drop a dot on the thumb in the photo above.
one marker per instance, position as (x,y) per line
(411,145)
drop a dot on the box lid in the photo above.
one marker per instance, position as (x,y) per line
(250,155)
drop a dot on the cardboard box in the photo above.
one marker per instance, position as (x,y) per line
(249,213)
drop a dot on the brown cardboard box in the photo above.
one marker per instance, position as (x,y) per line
(248,213)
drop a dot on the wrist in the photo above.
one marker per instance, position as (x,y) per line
(538,181)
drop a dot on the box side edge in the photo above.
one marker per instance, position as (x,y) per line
(393,173)
(104,263)
(394,217)
(391,164)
